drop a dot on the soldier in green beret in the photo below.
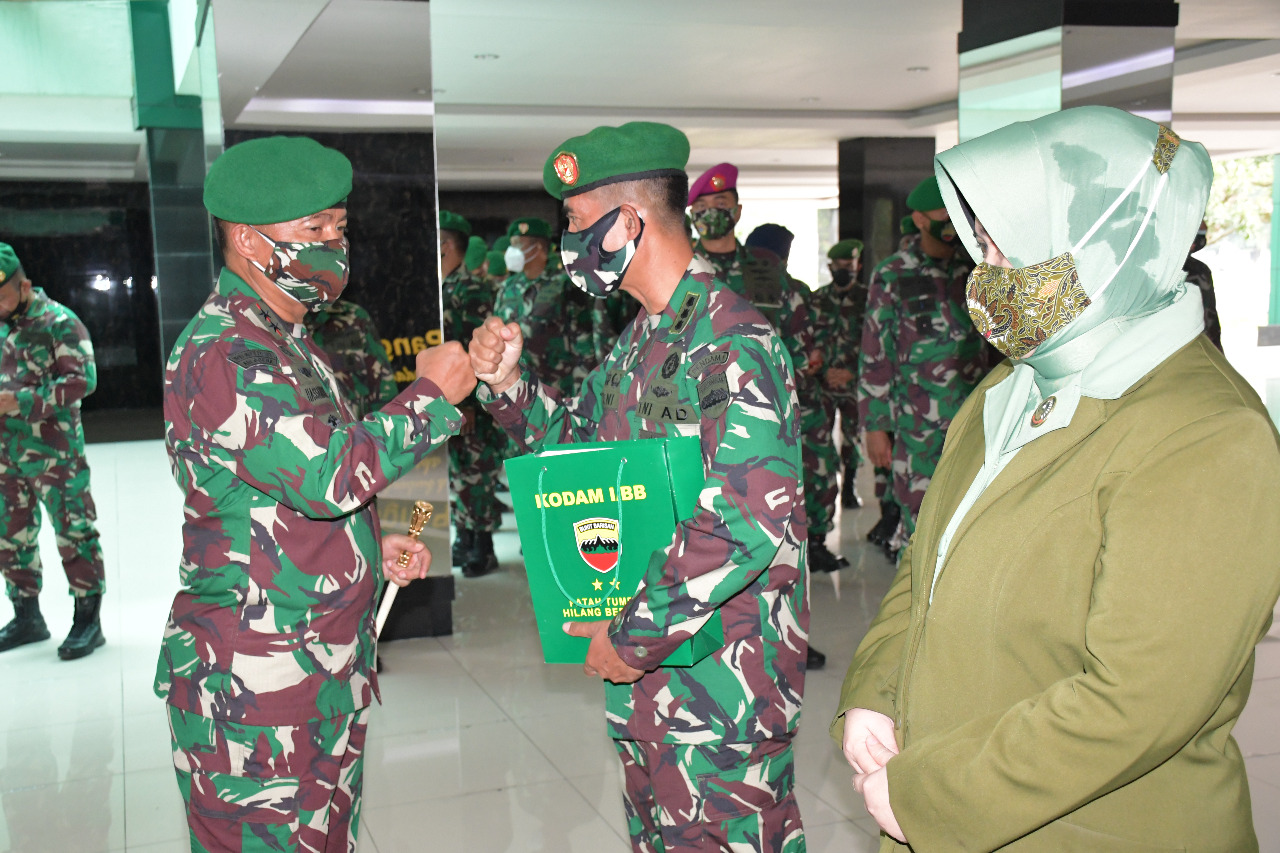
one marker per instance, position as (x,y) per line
(557,319)
(706,751)
(474,259)
(840,307)
(267,662)
(475,456)
(46,369)
(920,356)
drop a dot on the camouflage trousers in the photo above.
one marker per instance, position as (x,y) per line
(475,460)
(915,458)
(62,485)
(270,788)
(681,798)
(821,463)
(850,444)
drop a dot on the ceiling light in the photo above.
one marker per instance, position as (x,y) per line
(809,100)
(918,69)
(420,91)
(486,56)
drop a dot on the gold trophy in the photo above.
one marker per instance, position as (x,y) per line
(417,520)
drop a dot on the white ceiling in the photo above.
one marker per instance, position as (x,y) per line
(770,86)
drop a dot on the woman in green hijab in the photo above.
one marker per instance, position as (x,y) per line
(1069,639)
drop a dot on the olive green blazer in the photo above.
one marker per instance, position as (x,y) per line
(1090,644)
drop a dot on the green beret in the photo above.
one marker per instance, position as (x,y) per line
(497,263)
(926,196)
(476,250)
(909,226)
(276,179)
(9,263)
(502,244)
(844,249)
(450,221)
(529,226)
(608,155)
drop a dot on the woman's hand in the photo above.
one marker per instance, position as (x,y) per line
(874,788)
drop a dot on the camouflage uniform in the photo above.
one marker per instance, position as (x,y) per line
(558,323)
(346,334)
(837,320)
(710,366)
(920,359)
(281,564)
(475,457)
(46,361)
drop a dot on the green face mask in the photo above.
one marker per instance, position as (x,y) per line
(944,231)
(1018,309)
(714,222)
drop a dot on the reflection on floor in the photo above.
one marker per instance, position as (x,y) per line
(477,747)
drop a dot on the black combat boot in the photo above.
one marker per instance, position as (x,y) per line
(86,632)
(463,545)
(890,515)
(820,557)
(27,625)
(848,493)
(816,660)
(483,560)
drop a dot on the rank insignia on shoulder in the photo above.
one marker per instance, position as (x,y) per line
(251,358)
(685,315)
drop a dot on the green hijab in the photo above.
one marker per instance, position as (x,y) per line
(1096,182)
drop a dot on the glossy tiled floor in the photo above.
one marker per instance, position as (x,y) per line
(478,746)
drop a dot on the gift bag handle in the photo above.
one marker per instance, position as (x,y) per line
(546,543)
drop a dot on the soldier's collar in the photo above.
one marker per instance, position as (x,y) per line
(231,285)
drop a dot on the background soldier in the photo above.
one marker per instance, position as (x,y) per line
(475,455)
(268,656)
(756,275)
(920,354)
(838,310)
(346,334)
(46,369)
(706,751)
(1199,274)
(475,257)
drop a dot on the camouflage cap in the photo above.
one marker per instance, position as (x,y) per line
(926,196)
(476,250)
(609,155)
(529,226)
(276,179)
(721,177)
(908,226)
(497,263)
(450,221)
(9,263)
(845,249)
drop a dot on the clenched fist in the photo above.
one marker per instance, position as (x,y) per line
(449,367)
(495,353)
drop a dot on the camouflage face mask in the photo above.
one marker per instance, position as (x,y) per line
(1018,309)
(714,222)
(312,273)
(944,231)
(593,268)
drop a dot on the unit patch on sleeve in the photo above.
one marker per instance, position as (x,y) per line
(713,395)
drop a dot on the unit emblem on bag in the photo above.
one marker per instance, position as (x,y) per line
(598,542)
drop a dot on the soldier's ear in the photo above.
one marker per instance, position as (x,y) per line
(630,219)
(245,242)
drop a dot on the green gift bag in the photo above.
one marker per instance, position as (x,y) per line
(591,516)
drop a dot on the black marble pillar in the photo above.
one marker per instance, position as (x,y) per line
(89,245)
(876,176)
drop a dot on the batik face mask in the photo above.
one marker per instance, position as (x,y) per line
(312,273)
(1018,309)
(593,268)
(713,222)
